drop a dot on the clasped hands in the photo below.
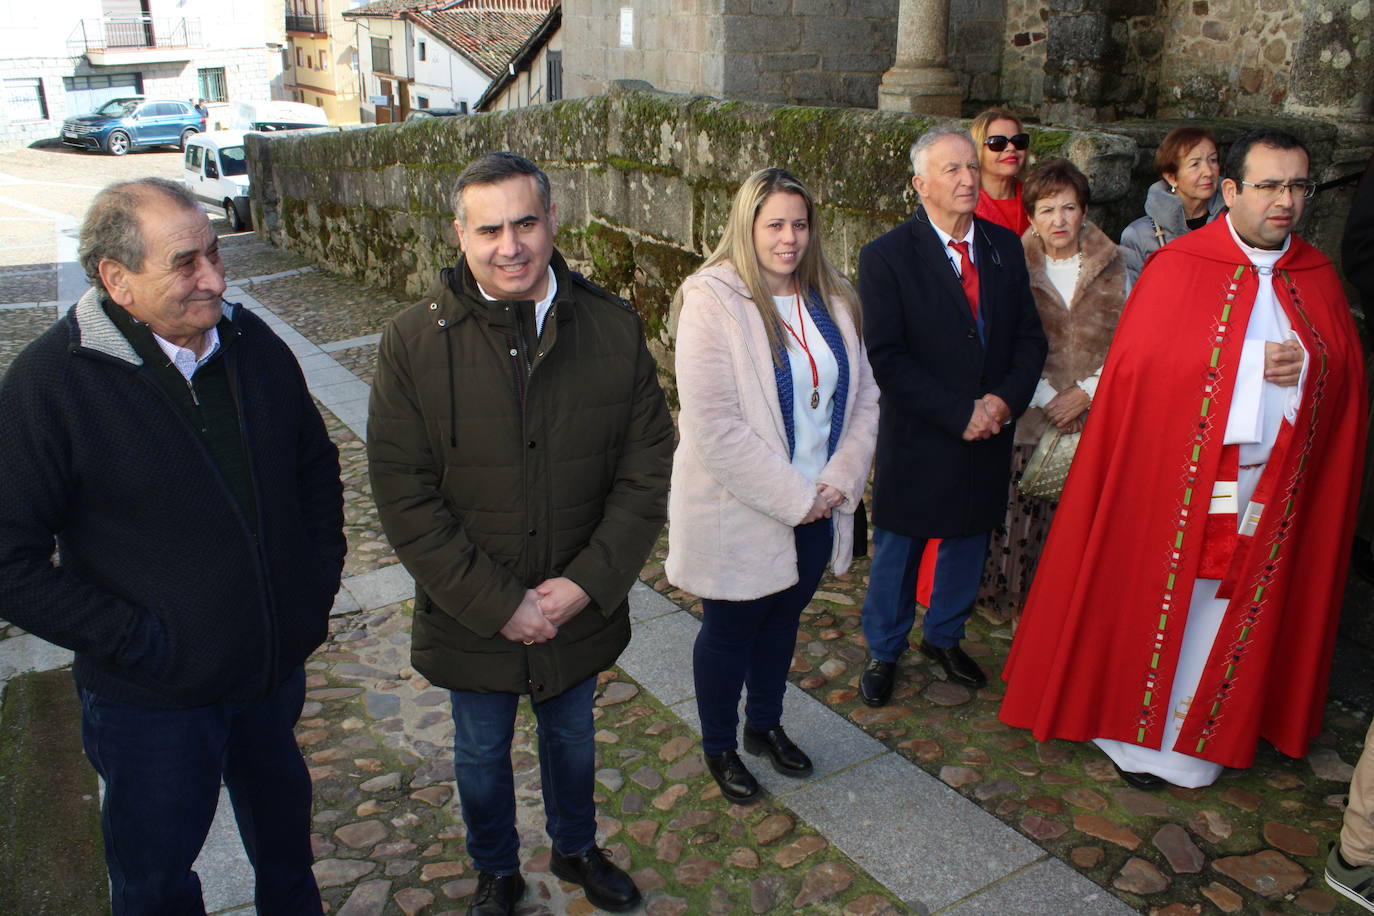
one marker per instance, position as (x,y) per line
(544,609)
(990,415)
(827,499)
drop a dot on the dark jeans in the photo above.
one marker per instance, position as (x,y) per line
(890,606)
(750,643)
(484,724)
(162,770)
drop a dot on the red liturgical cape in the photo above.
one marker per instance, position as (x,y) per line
(1098,644)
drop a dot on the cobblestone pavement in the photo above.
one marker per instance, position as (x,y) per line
(1255,842)
(389,839)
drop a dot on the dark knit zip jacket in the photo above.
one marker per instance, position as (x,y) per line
(163,589)
(500,458)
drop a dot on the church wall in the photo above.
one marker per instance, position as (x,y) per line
(643,181)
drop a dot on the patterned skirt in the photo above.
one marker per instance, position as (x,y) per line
(1014,548)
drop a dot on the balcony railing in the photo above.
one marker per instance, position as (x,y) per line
(117,33)
(297,21)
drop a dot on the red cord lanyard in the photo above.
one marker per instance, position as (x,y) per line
(815,373)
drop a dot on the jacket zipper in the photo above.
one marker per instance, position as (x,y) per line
(525,371)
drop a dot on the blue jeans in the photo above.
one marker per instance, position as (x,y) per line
(890,606)
(162,770)
(484,724)
(750,643)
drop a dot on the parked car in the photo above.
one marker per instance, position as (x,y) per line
(269,116)
(132,122)
(421,114)
(216,172)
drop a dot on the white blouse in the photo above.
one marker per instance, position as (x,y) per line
(811,426)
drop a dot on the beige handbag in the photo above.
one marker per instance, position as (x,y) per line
(1048,467)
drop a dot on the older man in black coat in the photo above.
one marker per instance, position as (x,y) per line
(956,347)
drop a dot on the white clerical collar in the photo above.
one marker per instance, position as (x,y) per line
(1259,257)
(541,308)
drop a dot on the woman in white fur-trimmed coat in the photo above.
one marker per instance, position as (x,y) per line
(779,417)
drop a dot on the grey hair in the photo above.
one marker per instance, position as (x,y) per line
(491,168)
(112,229)
(930,138)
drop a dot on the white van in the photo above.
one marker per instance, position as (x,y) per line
(269,116)
(216,172)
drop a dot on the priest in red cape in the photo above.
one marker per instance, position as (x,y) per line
(1186,602)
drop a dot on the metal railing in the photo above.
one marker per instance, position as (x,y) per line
(116,33)
(298,21)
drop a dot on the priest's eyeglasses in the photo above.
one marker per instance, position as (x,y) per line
(1303,188)
(998,142)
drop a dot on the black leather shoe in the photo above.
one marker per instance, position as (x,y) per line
(786,757)
(606,885)
(960,668)
(1148,782)
(497,895)
(875,684)
(735,781)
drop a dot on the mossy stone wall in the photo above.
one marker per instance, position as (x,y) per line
(642,181)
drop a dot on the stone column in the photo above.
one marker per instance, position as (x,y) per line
(920,81)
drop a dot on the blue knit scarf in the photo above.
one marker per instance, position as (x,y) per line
(782,372)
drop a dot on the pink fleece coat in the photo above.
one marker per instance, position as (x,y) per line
(735,495)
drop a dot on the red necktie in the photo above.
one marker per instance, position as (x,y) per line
(968,276)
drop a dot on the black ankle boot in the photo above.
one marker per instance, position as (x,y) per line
(735,781)
(786,757)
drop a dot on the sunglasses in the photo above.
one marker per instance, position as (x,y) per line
(997,142)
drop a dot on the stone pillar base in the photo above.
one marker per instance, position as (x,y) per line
(920,90)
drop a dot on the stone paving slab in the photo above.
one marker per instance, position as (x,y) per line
(336,392)
(912,832)
(226,878)
(25,653)
(646,604)
(368,340)
(319,365)
(322,378)
(659,657)
(381,587)
(833,744)
(1047,888)
(352,413)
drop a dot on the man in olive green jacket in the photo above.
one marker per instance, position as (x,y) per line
(520,448)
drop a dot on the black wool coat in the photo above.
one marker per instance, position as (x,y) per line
(931,366)
(165,591)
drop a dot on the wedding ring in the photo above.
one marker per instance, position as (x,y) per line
(529,642)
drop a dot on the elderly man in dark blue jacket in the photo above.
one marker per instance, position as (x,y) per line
(956,347)
(165,443)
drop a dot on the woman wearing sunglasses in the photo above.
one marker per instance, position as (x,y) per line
(1186,197)
(778,423)
(1002,152)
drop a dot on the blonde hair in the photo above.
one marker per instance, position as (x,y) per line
(736,246)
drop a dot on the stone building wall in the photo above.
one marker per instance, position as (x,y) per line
(809,52)
(1082,61)
(643,181)
(976,37)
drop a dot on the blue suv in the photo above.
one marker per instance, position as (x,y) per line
(124,124)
